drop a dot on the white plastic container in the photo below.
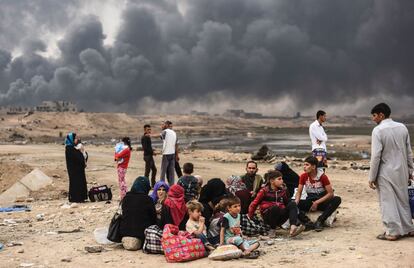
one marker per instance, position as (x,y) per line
(100,235)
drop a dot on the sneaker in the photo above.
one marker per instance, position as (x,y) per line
(286,225)
(330,220)
(318,226)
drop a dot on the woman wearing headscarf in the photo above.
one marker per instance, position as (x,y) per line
(210,196)
(237,187)
(138,211)
(75,164)
(158,195)
(290,177)
(174,210)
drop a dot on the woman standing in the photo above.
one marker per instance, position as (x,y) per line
(75,164)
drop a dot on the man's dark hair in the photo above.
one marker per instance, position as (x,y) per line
(147,126)
(320,113)
(382,108)
(312,160)
(188,168)
(250,162)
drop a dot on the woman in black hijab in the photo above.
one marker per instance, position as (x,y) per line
(138,210)
(210,196)
(290,177)
(75,164)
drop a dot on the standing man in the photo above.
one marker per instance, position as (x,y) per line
(177,158)
(169,138)
(319,138)
(390,170)
(148,154)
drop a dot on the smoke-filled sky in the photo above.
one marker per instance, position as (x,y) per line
(160,56)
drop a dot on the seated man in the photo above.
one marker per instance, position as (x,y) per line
(320,193)
(253,182)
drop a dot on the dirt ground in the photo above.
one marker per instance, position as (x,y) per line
(351,242)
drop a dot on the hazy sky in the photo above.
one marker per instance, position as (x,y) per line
(150,56)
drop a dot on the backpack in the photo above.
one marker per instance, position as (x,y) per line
(100,193)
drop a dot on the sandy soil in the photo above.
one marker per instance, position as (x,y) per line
(351,242)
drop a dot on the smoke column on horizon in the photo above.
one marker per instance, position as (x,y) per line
(217,53)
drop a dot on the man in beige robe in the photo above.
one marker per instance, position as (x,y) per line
(391,169)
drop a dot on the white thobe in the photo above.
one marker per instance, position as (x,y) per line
(316,132)
(391,164)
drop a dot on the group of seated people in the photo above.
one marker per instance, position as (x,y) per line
(220,213)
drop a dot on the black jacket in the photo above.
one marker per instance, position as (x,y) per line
(147,145)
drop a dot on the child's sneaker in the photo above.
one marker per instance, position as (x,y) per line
(286,225)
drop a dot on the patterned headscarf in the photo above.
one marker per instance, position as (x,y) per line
(159,184)
(141,185)
(235,184)
(70,139)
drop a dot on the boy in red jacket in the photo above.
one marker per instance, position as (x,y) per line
(275,205)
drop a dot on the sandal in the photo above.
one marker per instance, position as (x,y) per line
(252,255)
(298,230)
(388,237)
(410,234)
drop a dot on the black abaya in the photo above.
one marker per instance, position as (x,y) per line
(75,164)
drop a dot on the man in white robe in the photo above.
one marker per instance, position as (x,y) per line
(390,170)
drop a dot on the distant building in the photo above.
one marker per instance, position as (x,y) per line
(194,112)
(46,106)
(241,113)
(297,115)
(234,113)
(15,110)
(57,106)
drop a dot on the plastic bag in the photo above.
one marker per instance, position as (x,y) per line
(100,236)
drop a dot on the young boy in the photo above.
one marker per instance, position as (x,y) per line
(230,232)
(275,205)
(189,183)
(319,191)
(196,223)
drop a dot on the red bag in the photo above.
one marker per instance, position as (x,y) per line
(179,246)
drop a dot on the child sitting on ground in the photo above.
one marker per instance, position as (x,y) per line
(275,205)
(196,223)
(189,183)
(230,232)
(215,224)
